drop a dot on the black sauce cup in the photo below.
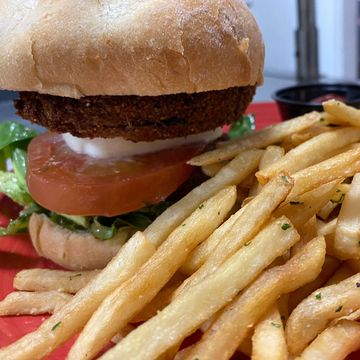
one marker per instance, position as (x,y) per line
(298,100)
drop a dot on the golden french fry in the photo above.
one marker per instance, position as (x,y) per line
(252,218)
(334,343)
(354,264)
(311,152)
(181,355)
(343,165)
(47,280)
(203,300)
(232,326)
(213,169)
(326,210)
(302,208)
(326,228)
(268,341)
(342,113)
(127,300)
(330,266)
(260,139)
(70,319)
(347,233)
(271,155)
(314,313)
(198,256)
(307,232)
(231,174)
(246,345)
(33,303)
(341,274)
(162,299)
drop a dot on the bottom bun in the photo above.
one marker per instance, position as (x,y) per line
(72,250)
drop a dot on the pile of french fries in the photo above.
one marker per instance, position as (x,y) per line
(263,258)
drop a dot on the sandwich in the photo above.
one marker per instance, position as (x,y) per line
(129,91)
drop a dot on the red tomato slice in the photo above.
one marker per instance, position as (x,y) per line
(74,184)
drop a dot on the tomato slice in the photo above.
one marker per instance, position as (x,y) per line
(69,183)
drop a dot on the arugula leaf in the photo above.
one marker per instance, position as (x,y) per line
(245,125)
(12,132)
(12,187)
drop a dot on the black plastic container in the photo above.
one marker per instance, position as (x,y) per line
(297,100)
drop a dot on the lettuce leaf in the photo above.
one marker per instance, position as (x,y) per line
(245,125)
(12,187)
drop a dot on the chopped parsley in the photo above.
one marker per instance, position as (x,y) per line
(74,276)
(247,243)
(318,296)
(285,226)
(56,326)
(218,212)
(296,203)
(277,325)
(201,206)
(285,179)
(358,284)
(339,308)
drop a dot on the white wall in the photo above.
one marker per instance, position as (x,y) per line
(338,43)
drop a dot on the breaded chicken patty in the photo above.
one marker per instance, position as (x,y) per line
(136,118)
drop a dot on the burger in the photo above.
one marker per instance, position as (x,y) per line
(129,92)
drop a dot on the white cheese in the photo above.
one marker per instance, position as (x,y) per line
(118,147)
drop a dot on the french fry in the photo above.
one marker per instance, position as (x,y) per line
(326,228)
(213,169)
(341,274)
(302,208)
(330,266)
(162,299)
(307,232)
(246,345)
(269,338)
(354,264)
(342,113)
(252,218)
(271,155)
(347,233)
(325,212)
(47,280)
(314,313)
(334,343)
(231,174)
(232,326)
(311,152)
(343,165)
(33,303)
(70,319)
(198,256)
(260,139)
(127,300)
(203,300)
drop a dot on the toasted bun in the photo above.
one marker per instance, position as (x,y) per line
(72,250)
(129,47)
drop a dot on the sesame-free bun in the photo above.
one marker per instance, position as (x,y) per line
(71,249)
(77,48)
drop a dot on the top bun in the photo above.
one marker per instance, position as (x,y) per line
(77,48)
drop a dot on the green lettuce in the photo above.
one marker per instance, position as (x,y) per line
(245,125)
(14,140)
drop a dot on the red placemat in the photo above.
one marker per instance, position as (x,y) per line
(17,253)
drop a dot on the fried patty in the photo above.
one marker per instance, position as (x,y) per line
(136,118)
